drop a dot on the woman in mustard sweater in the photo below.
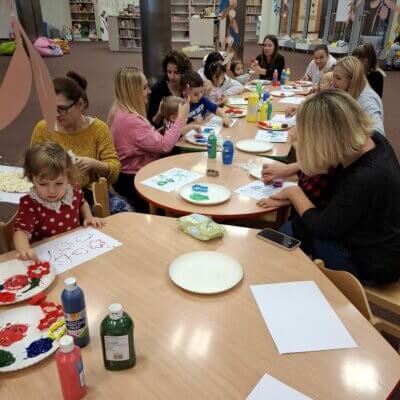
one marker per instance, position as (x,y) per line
(88,138)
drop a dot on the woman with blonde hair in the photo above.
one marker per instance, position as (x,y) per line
(137,142)
(359,229)
(348,75)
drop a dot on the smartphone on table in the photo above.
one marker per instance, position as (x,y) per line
(279,239)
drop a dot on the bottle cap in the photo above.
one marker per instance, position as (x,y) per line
(70,284)
(66,344)
(265,96)
(115,311)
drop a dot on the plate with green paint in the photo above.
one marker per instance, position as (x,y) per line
(215,194)
(21,280)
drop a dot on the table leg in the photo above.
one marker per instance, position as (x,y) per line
(153,209)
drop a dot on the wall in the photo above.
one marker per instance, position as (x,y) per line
(269,20)
(56,12)
(5,26)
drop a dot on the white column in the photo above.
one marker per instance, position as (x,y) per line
(269,20)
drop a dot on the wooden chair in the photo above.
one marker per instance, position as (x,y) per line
(6,242)
(101,207)
(351,287)
(386,297)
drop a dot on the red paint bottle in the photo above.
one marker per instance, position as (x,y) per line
(70,369)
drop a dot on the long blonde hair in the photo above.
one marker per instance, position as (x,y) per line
(331,127)
(128,92)
(353,70)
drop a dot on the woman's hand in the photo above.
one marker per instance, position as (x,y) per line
(270,172)
(258,70)
(95,222)
(267,202)
(183,110)
(290,112)
(84,164)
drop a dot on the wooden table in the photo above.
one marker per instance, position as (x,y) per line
(230,176)
(205,347)
(247,130)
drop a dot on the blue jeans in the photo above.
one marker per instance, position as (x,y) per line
(334,254)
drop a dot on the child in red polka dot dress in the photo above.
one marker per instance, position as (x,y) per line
(54,204)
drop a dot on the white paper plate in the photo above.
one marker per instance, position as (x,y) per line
(190,137)
(282,93)
(31,316)
(262,81)
(254,146)
(217,194)
(255,171)
(205,272)
(304,83)
(14,267)
(239,113)
(237,101)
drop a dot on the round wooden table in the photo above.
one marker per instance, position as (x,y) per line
(247,130)
(230,176)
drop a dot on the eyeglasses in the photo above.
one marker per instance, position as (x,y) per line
(63,110)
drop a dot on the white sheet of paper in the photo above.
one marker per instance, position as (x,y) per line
(257,190)
(299,318)
(291,88)
(75,248)
(292,100)
(216,121)
(284,120)
(270,388)
(237,101)
(172,179)
(272,136)
(6,197)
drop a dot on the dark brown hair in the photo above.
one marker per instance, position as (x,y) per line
(323,47)
(367,51)
(178,58)
(48,160)
(73,87)
(191,78)
(214,70)
(274,40)
(235,64)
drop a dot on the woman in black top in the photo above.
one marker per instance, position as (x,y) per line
(174,65)
(269,60)
(359,229)
(366,54)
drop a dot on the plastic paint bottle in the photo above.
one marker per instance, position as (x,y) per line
(262,114)
(227,151)
(275,78)
(70,369)
(269,109)
(252,107)
(212,146)
(73,302)
(116,333)
(259,89)
(288,73)
(283,77)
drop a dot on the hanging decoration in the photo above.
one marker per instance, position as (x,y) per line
(18,78)
(227,8)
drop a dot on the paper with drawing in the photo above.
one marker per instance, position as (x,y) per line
(258,190)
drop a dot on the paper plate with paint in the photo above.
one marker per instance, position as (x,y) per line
(201,138)
(273,126)
(205,272)
(255,171)
(304,83)
(21,280)
(235,112)
(254,146)
(211,194)
(282,93)
(29,334)
(260,81)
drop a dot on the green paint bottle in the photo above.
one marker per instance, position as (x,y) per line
(212,146)
(116,333)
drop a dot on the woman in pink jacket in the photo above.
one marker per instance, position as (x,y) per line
(137,142)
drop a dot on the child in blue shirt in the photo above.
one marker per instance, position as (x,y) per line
(192,85)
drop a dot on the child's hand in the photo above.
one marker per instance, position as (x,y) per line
(223,100)
(183,110)
(95,222)
(290,112)
(196,127)
(226,121)
(28,254)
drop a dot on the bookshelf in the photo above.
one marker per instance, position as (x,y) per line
(83,18)
(125,33)
(253,10)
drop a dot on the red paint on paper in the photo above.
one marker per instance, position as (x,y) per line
(7,297)
(12,333)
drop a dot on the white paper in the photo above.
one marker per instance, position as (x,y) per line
(292,100)
(299,318)
(270,388)
(216,121)
(237,101)
(284,120)
(342,11)
(272,136)
(75,248)
(258,190)
(6,197)
(172,179)
(291,88)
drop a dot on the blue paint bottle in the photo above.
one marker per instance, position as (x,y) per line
(73,302)
(227,151)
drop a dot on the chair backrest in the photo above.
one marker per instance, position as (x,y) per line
(6,242)
(101,206)
(350,286)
